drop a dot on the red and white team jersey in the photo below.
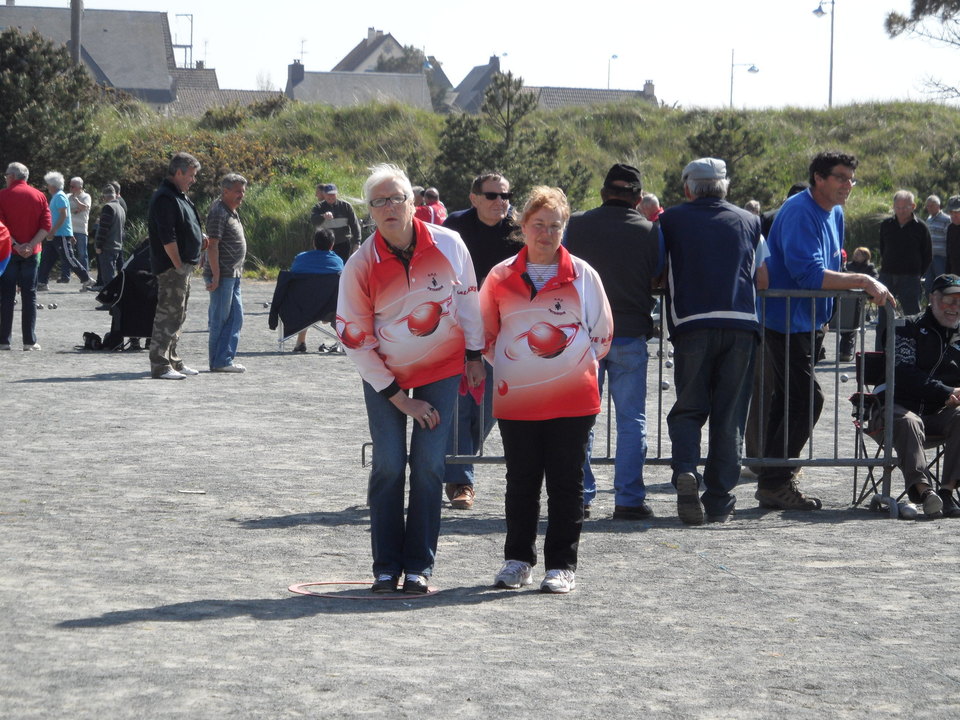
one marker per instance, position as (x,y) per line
(411,324)
(544,346)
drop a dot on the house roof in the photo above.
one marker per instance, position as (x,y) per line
(366,49)
(201,77)
(342,89)
(551,98)
(121,48)
(195,101)
(469,93)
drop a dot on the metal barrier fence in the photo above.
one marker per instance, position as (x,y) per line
(850,314)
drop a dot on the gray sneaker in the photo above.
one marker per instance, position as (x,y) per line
(558,581)
(513,575)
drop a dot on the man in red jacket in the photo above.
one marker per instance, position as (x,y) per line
(25,212)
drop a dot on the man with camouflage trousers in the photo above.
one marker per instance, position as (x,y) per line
(176,242)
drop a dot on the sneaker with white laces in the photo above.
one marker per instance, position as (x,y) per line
(416,584)
(513,575)
(558,581)
(171,374)
(187,371)
(27,346)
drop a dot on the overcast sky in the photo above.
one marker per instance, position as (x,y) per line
(683,47)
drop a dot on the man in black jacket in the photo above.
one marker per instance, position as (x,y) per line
(331,213)
(927,396)
(625,249)
(176,241)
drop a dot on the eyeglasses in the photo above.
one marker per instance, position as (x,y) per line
(392,200)
(844,178)
(494,196)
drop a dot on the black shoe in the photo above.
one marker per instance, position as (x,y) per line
(632,512)
(586,512)
(722,518)
(415,585)
(689,507)
(950,507)
(302,347)
(385,583)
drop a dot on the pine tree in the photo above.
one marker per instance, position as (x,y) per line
(47,107)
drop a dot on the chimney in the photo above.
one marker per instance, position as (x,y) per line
(648,88)
(199,65)
(371,35)
(294,74)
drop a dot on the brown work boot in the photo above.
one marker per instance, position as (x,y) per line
(463,497)
(786,497)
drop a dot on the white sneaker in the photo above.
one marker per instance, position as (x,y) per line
(188,371)
(513,575)
(172,375)
(558,581)
(27,346)
(235,368)
(88,285)
(932,504)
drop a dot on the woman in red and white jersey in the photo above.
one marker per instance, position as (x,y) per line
(408,315)
(546,323)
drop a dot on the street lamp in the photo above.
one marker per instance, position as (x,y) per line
(751,68)
(610,60)
(820,12)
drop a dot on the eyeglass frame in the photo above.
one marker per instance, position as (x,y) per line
(391,200)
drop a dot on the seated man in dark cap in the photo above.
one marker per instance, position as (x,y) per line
(927,396)
(337,215)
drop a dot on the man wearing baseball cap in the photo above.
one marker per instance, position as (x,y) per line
(331,213)
(715,264)
(926,397)
(625,250)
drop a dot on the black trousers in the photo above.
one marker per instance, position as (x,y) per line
(787,420)
(553,449)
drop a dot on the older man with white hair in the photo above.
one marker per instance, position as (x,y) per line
(25,212)
(60,241)
(714,329)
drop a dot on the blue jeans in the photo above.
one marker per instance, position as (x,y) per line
(626,366)
(714,378)
(225,318)
(82,254)
(20,272)
(474,423)
(409,546)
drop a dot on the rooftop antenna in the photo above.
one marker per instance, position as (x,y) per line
(188,48)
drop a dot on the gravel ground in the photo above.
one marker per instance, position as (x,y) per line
(149,531)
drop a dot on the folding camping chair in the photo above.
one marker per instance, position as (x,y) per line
(302,301)
(132,299)
(868,417)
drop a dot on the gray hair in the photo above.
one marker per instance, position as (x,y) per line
(18,170)
(76,181)
(708,188)
(55,179)
(905,195)
(933,199)
(182,161)
(109,192)
(382,173)
(231,179)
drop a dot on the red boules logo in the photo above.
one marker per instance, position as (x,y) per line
(548,341)
(424,319)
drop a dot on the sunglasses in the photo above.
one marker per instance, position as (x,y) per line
(494,196)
